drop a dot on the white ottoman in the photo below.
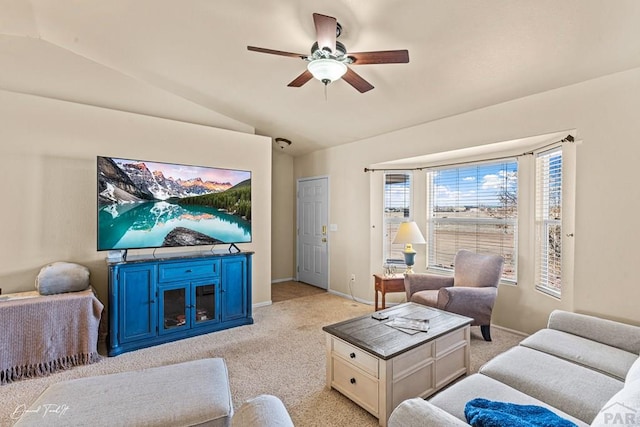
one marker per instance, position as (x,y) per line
(193,393)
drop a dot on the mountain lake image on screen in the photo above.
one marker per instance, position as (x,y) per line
(144,204)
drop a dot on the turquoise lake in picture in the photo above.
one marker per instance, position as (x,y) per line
(146,224)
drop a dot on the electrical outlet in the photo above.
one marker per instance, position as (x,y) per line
(353,277)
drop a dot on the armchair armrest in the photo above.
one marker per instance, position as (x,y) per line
(469,301)
(417,282)
(616,334)
(418,412)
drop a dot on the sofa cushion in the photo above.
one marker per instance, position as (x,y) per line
(417,412)
(572,388)
(634,372)
(620,335)
(453,398)
(194,393)
(623,409)
(60,277)
(262,411)
(591,354)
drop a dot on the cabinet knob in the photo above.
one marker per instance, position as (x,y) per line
(188,271)
(352,355)
(352,380)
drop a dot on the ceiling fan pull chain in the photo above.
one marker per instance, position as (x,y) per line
(325,93)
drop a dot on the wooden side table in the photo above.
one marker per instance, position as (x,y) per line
(385,284)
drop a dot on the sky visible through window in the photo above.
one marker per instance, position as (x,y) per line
(475,186)
(462,186)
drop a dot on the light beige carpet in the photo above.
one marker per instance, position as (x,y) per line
(282,354)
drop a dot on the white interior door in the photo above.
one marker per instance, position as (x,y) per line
(313,199)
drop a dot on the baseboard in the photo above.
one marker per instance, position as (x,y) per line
(262,304)
(288,279)
(513,331)
(347,296)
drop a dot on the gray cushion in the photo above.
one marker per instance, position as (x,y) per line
(192,393)
(60,277)
(616,334)
(262,411)
(591,354)
(477,270)
(634,372)
(420,413)
(623,409)
(574,389)
(453,398)
(428,298)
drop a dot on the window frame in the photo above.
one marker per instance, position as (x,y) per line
(511,222)
(387,247)
(541,225)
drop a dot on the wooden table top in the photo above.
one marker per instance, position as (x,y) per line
(386,342)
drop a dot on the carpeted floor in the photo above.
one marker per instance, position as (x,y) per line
(282,354)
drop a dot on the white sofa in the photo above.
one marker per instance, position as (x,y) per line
(583,368)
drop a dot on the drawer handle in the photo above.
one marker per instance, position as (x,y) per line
(352,355)
(189,271)
(352,380)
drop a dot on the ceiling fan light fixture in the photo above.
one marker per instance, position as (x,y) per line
(327,70)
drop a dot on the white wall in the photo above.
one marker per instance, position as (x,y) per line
(48,152)
(602,111)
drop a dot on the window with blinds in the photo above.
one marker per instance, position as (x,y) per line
(397,208)
(473,207)
(548,221)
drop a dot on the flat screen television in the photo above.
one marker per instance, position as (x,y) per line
(145,204)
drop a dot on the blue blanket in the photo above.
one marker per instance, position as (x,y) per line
(487,413)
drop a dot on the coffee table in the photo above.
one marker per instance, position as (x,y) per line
(378,366)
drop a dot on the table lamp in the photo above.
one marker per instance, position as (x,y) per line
(409,234)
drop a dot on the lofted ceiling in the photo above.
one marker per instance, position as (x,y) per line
(188,60)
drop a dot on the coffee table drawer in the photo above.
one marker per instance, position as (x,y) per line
(451,366)
(356,357)
(355,384)
(450,341)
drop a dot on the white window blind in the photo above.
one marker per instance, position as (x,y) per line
(473,207)
(548,220)
(397,208)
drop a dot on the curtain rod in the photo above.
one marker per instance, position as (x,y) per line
(568,138)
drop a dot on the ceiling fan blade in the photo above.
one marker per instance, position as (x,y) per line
(380,57)
(276,52)
(325,31)
(356,81)
(301,79)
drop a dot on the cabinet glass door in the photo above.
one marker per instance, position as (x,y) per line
(206,304)
(174,305)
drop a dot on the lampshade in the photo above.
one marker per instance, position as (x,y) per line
(409,233)
(327,70)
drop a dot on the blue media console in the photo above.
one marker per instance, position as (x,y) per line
(157,300)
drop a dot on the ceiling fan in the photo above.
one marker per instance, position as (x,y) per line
(329,60)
